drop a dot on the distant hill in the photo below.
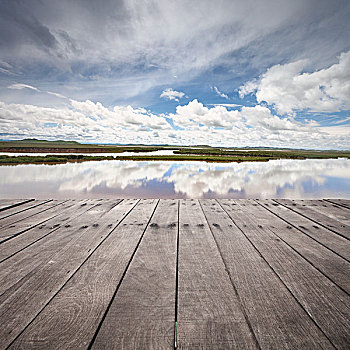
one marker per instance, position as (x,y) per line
(47,141)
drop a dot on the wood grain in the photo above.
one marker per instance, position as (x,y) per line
(331,210)
(142,314)
(47,280)
(321,219)
(20,242)
(277,319)
(336,268)
(47,211)
(72,317)
(326,303)
(18,268)
(26,209)
(6,204)
(342,202)
(209,312)
(234,274)
(329,239)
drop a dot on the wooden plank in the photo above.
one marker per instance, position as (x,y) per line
(20,242)
(70,320)
(18,268)
(19,209)
(336,268)
(321,219)
(142,314)
(327,304)
(329,209)
(6,204)
(30,297)
(48,211)
(345,203)
(277,319)
(329,239)
(32,210)
(210,315)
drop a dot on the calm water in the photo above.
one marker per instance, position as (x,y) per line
(127,179)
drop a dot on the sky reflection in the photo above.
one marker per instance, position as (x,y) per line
(128,179)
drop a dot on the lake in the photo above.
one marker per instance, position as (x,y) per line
(131,179)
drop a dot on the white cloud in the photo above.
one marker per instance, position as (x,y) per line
(56,94)
(219,93)
(288,89)
(195,114)
(248,88)
(171,94)
(17,86)
(194,123)
(229,105)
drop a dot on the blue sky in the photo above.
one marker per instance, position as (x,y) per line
(232,73)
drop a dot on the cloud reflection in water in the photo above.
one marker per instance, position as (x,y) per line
(105,179)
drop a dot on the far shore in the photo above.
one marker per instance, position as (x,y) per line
(75,152)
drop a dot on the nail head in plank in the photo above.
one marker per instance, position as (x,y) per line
(325,221)
(329,239)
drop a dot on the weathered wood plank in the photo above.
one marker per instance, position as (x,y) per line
(329,209)
(326,303)
(70,320)
(18,268)
(20,242)
(142,314)
(278,321)
(12,212)
(47,210)
(6,204)
(46,281)
(210,315)
(30,209)
(345,203)
(321,219)
(329,239)
(336,268)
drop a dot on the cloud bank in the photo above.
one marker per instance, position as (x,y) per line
(192,123)
(289,89)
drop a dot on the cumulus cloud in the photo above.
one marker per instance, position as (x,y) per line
(86,121)
(196,115)
(170,94)
(191,124)
(289,89)
(219,93)
(248,88)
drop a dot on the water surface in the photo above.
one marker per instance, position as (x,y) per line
(156,179)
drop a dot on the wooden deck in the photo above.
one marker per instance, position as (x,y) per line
(159,274)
